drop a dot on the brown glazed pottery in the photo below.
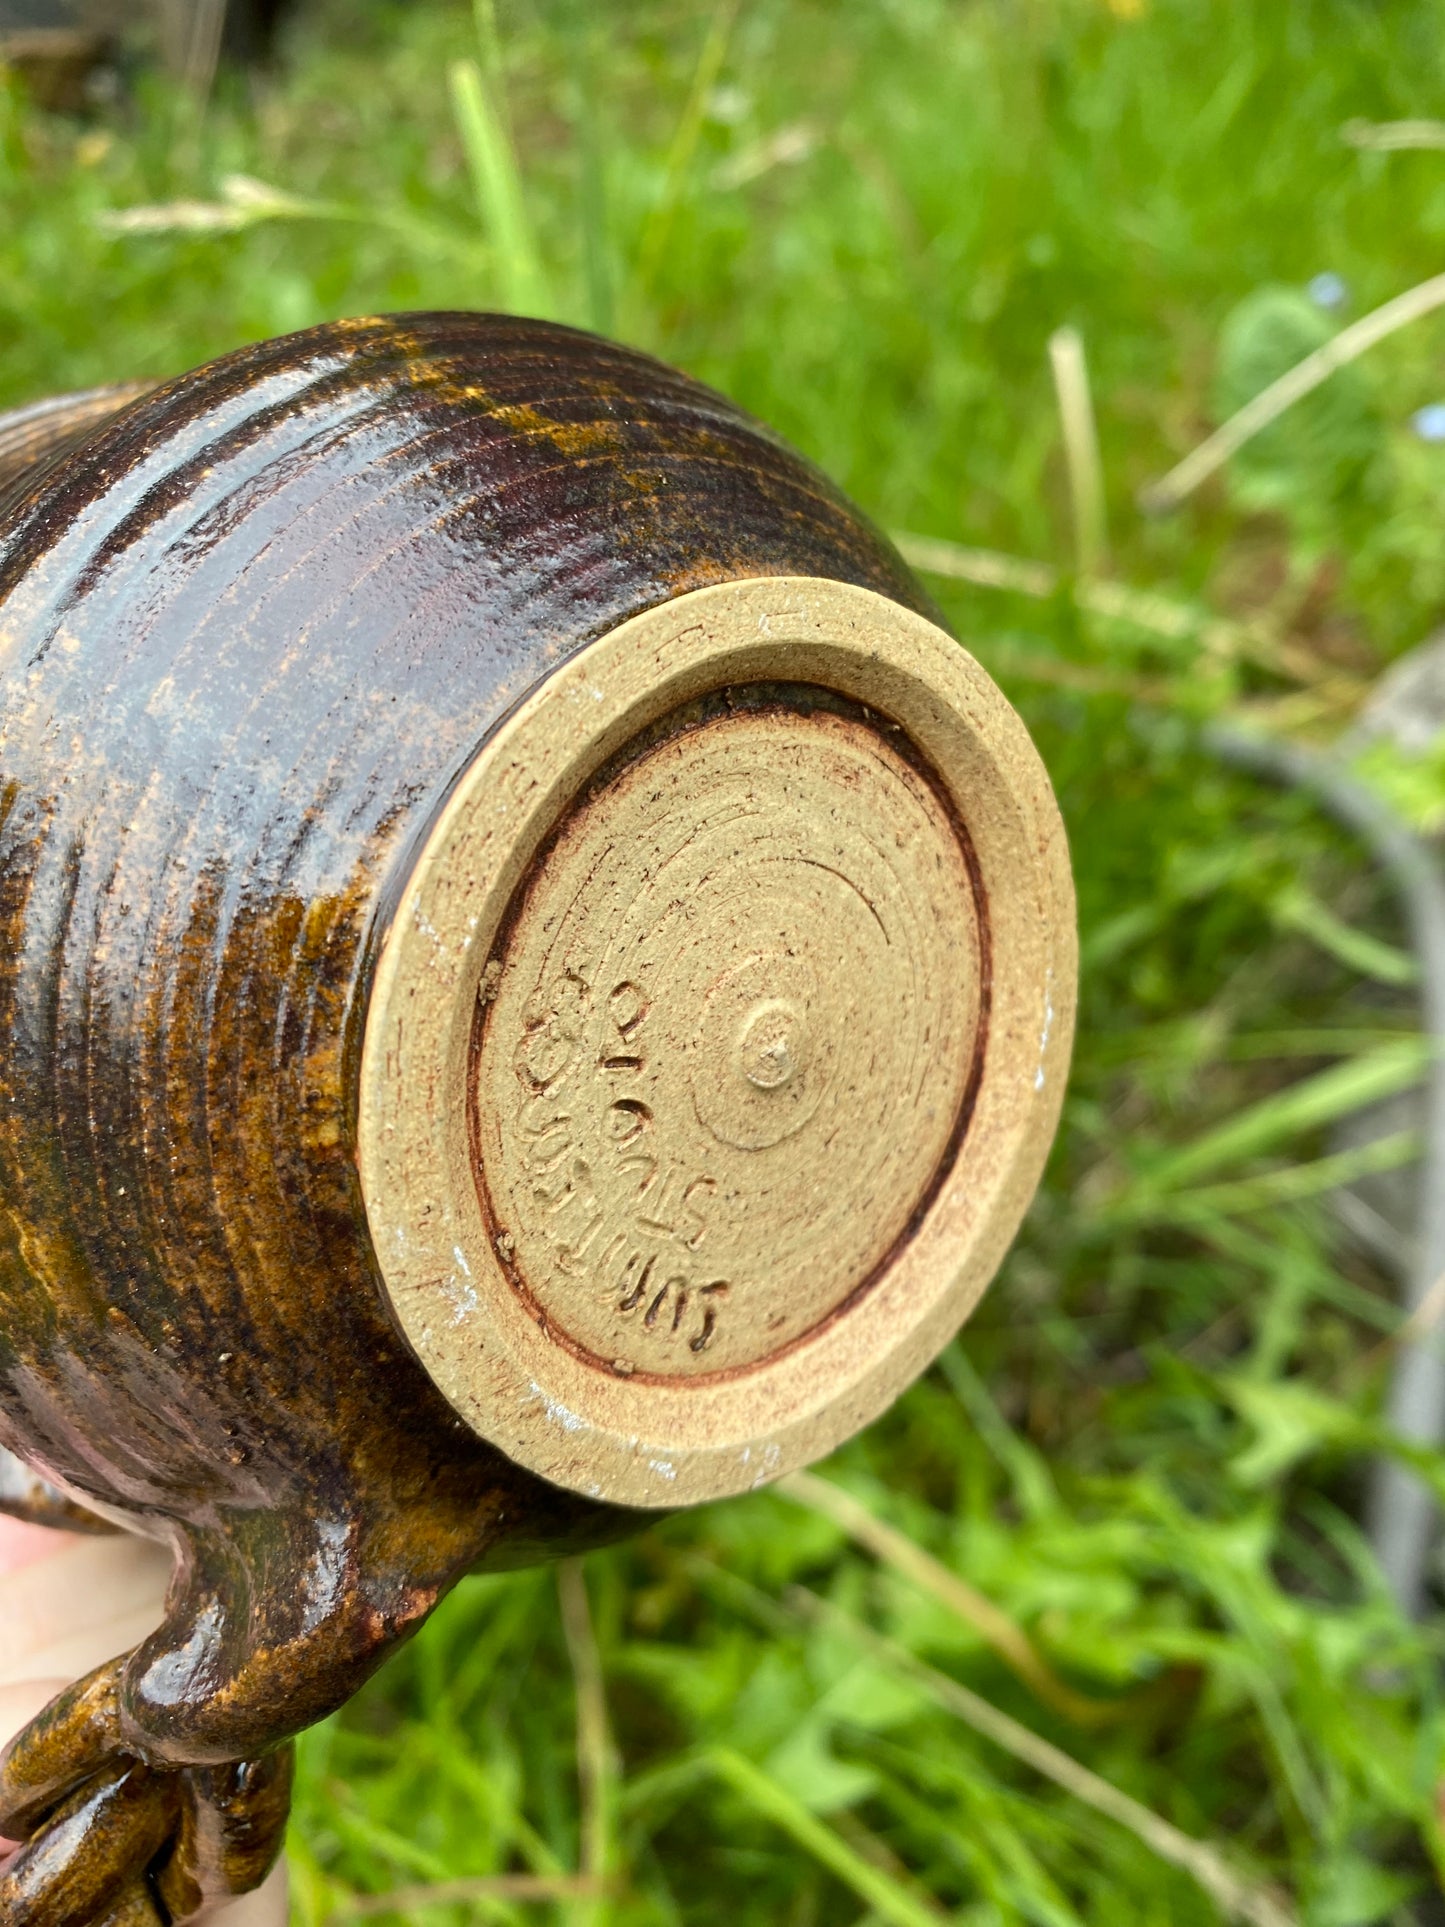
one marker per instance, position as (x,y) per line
(536,982)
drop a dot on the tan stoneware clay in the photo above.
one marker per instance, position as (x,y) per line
(536,983)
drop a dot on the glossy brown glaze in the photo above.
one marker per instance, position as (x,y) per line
(253,629)
(33,438)
(26,1495)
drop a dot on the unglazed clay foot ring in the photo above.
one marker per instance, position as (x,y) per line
(718,1040)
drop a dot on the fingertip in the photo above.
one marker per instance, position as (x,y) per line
(23,1544)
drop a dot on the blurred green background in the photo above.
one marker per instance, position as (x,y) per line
(1126,1508)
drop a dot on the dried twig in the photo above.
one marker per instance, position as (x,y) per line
(1081,448)
(1161,615)
(1389,136)
(244,202)
(454,1893)
(989,1621)
(191,33)
(1429,1310)
(986,568)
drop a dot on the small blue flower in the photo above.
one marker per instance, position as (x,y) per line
(1429,422)
(1329,291)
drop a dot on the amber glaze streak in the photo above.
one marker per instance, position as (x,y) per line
(252,630)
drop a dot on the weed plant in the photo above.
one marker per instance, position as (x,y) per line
(1138,1475)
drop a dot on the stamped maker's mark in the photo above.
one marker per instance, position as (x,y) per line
(631,1221)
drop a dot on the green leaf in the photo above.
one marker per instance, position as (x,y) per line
(1316,449)
(1290,1421)
(1299,910)
(1295,1182)
(893,1902)
(807,1766)
(1354,1892)
(1307,1106)
(497,185)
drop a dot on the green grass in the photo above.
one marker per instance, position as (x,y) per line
(1148,1448)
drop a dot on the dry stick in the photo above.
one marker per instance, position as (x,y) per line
(992,569)
(1162,615)
(204,54)
(596,1754)
(1348,345)
(1390,136)
(1329,693)
(1424,1318)
(987,568)
(1081,448)
(191,35)
(993,1625)
(1323,695)
(457,1893)
(1236,1897)
(1415,1329)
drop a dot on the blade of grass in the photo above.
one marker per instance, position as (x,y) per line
(497,187)
(1261,1253)
(477,1782)
(1298,910)
(896,1550)
(1236,1897)
(658,231)
(592,162)
(891,1900)
(1292,1185)
(1081,448)
(1305,1106)
(1027,1469)
(359,1824)
(597,1774)
(1344,1042)
(877,1852)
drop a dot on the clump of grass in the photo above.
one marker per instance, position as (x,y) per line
(1145,1454)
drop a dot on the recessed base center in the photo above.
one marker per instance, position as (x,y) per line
(729,1041)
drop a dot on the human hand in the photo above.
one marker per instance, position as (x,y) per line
(69,1603)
